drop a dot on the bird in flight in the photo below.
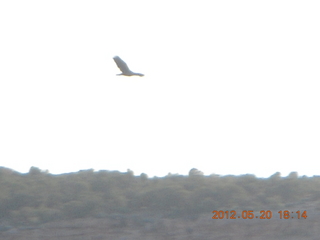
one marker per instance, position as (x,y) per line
(124,68)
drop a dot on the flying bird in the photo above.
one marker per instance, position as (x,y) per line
(124,68)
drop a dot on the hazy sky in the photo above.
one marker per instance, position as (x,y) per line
(230,86)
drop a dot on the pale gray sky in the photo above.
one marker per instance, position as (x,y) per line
(230,87)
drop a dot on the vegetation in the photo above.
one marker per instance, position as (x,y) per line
(38,196)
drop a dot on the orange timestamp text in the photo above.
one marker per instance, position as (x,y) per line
(263,214)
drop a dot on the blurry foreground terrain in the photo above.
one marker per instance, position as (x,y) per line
(113,205)
(133,228)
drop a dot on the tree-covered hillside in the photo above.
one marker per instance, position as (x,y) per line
(38,196)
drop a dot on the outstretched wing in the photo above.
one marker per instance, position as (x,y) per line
(122,65)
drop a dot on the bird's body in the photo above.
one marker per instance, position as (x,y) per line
(124,68)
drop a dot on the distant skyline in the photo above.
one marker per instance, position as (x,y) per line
(230,87)
(169,173)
